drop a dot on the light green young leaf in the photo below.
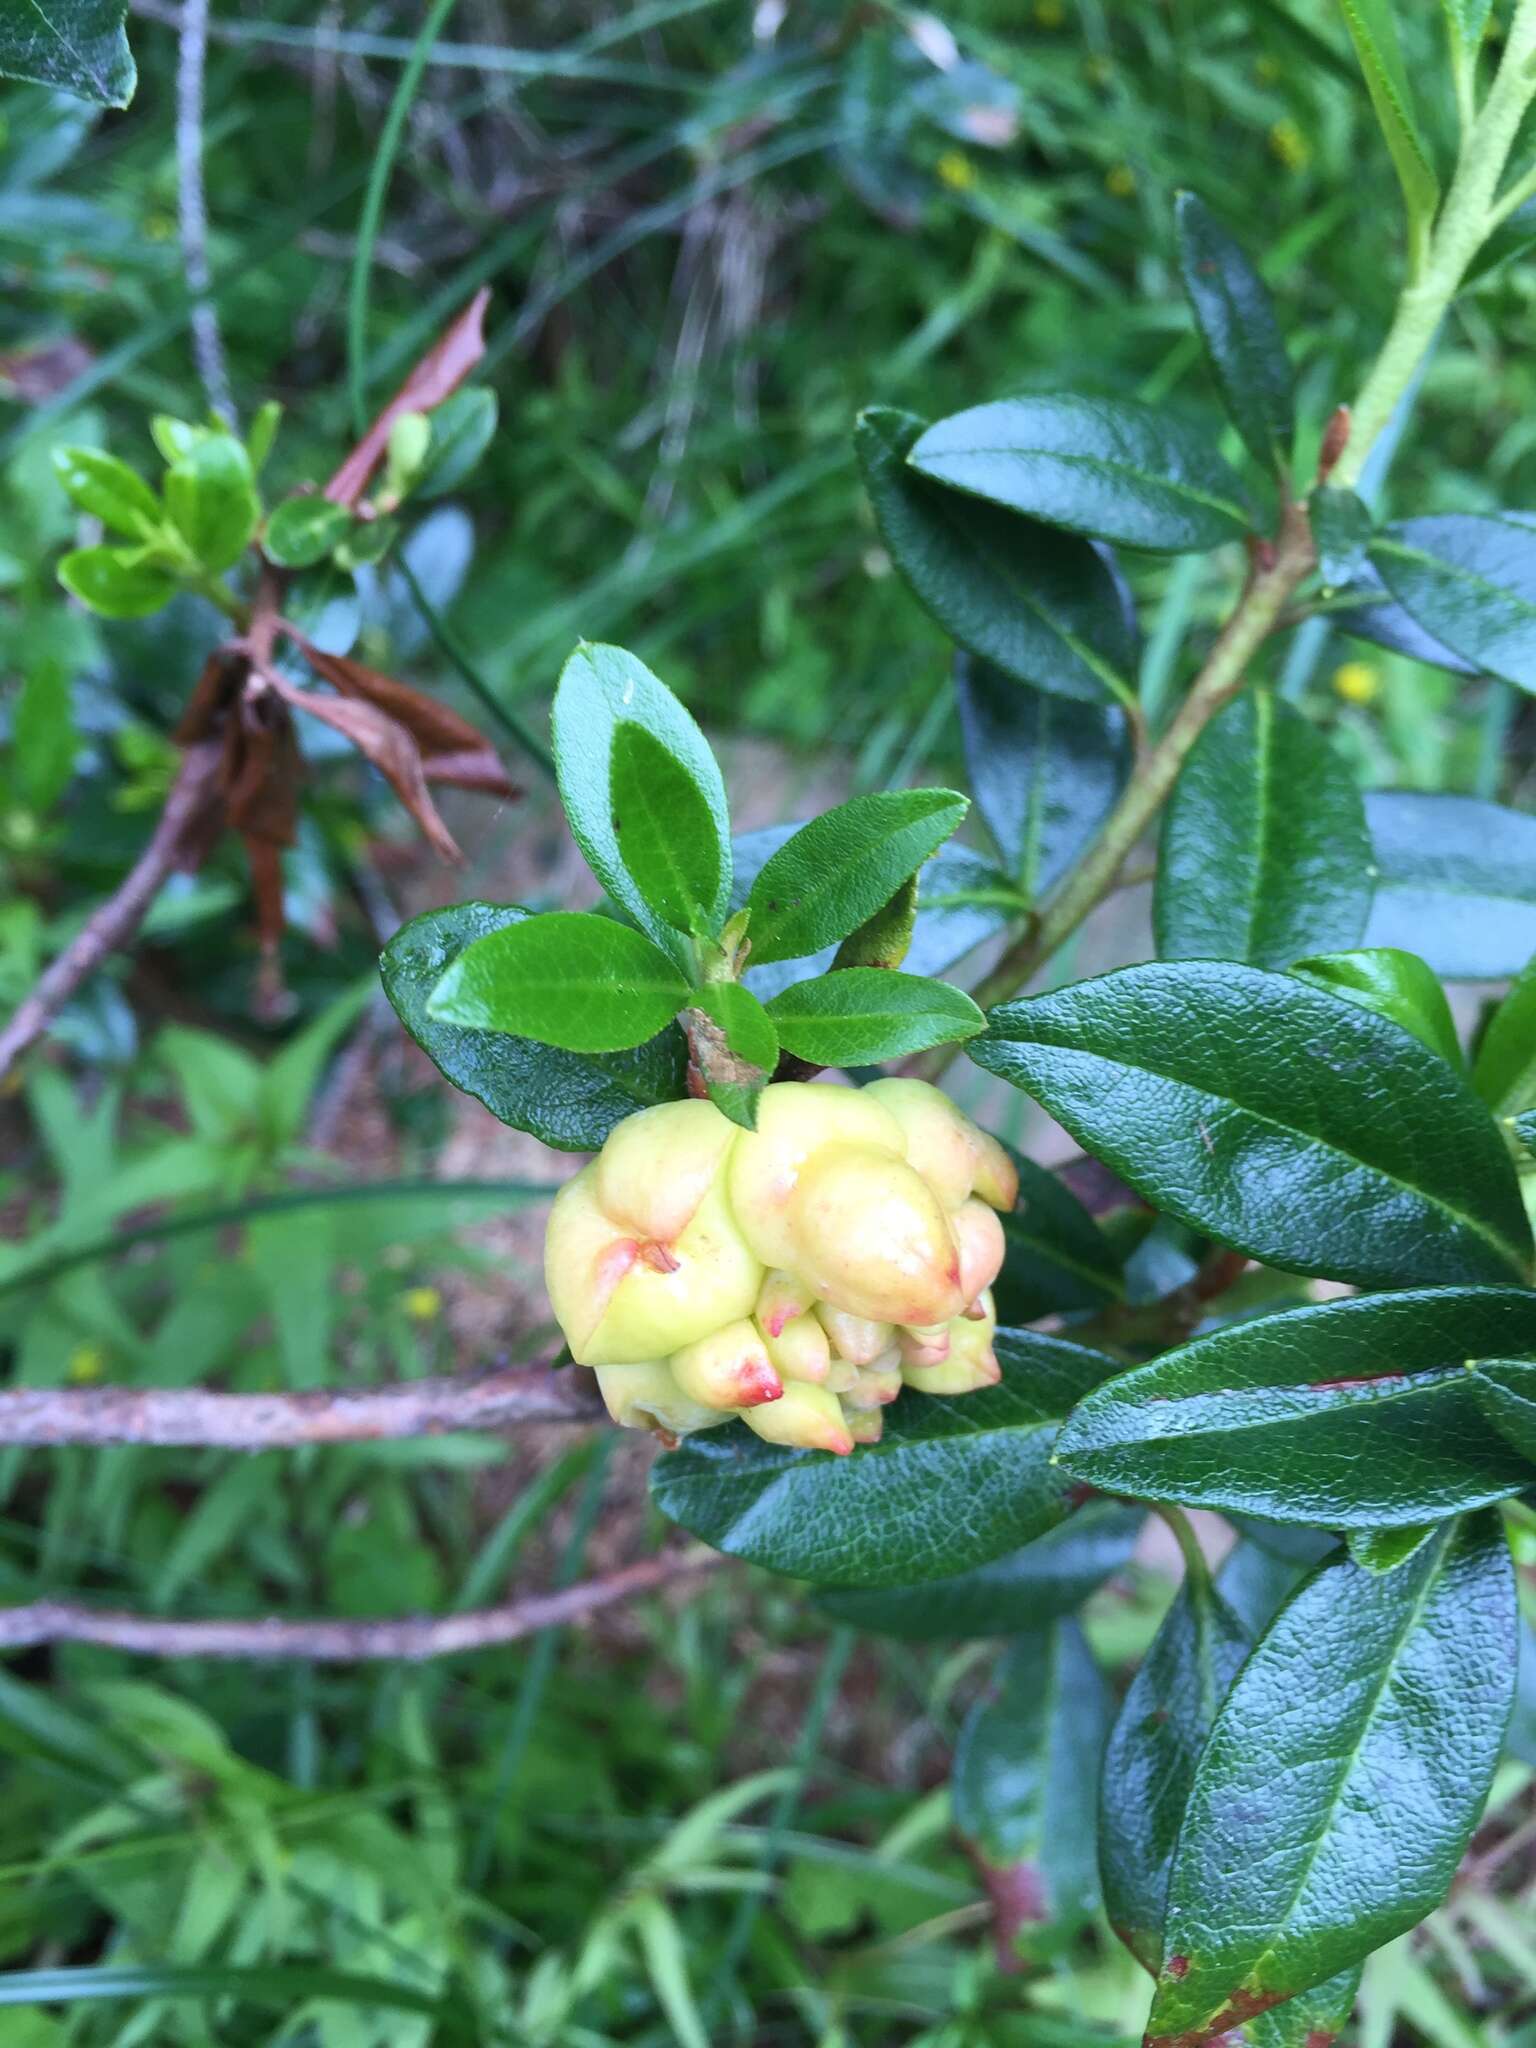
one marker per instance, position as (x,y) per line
(736,1046)
(302,531)
(210,494)
(842,867)
(109,491)
(567,979)
(668,832)
(602,688)
(116,582)
(859,1016)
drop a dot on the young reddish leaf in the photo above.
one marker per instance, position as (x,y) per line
(437,376)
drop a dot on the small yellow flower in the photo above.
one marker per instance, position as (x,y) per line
(1049,13)
(1120,182)
(956,170)
(159,227)
(1357,682)
(1098,70)
(87,1362)
(1266,68)
(421,1304)
(1287,142)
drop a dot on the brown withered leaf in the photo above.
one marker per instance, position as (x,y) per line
(382,740)
(452,749)
(435,377)
(478,770)
(36,374)
(223,674)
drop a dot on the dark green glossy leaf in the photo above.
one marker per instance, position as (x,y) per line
(1044,772)
(210,495)
(1505,1391)
(862,1015)
(302,531)
(1355,1414)
(1039,604)
(1471,582)
(1341,527)
(951,1484)
(566,978)
(670,835)
(1236,317)
(1058,1259)
(1504,1073)
(1264,853)
(1292,1124)
(1255,1583)
(1344,1775)
(109,491)
(1040,1581)
(569,1100)
(737,1047)
(1456,882)
(1394,984)
(1381,619)
(1149,1766)
(842,867)
(602,688)
(1374,33)
(1025,1781)
(1119,471)
(116,582)
(76,46)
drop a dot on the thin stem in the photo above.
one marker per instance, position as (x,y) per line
(1464,223)
(1196,1569)
(193,799)
(1511,201)
(207,343)
(53,1416)
(448,645)
(411,1639)
(1269,591)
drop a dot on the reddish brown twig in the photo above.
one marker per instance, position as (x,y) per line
(175,842)
(409,1639)
(275,1421)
